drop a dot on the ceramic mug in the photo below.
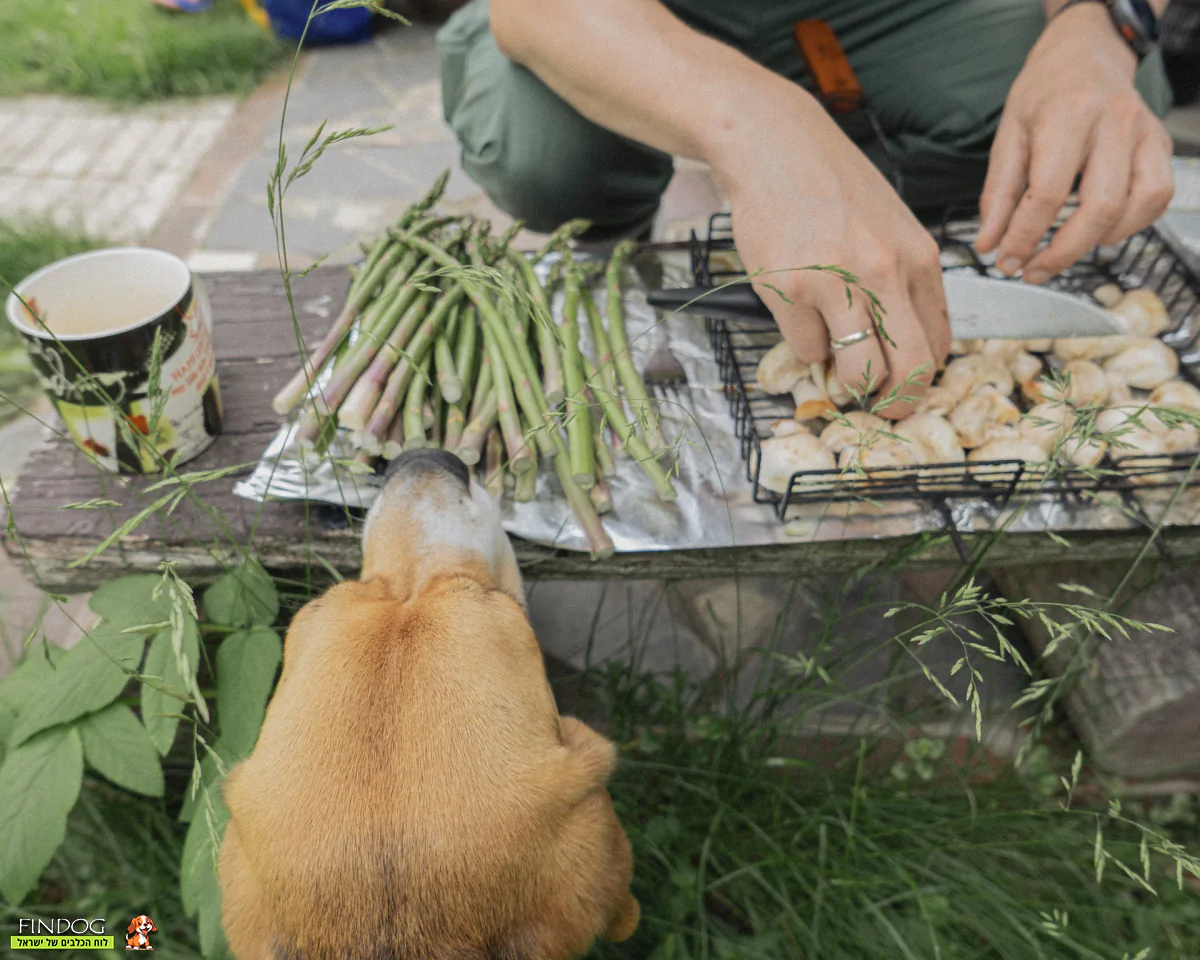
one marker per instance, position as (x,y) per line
(89,323)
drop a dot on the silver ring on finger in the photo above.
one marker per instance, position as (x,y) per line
(851,339)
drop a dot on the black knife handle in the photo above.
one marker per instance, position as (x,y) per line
(737,301)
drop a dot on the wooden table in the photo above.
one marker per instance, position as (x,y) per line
(256,352)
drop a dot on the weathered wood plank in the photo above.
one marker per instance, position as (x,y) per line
(256,348)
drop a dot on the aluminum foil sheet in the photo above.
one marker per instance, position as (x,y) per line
(715,507)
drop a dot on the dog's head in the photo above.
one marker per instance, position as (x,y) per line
(431,520)
(142,925)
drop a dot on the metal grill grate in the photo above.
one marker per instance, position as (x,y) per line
(1145,260)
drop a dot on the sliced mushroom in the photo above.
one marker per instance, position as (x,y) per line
(779,369)
(932,436)
(1086,385)
(1047,424)
(1041,345)
(981,416)
(1025,368)
(880,459)
(976,373)
(1145,364)
(1142,313)
(1009,446)
(937,399)
(785,456)
(1178,394)
(811,400)
(1108,294)
(852,429)
(1083,451)
(1089,348)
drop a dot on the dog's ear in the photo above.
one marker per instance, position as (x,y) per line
(133,924)
(153,928)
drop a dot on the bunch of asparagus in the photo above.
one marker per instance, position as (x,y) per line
(447,339)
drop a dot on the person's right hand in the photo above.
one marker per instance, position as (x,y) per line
(804,195)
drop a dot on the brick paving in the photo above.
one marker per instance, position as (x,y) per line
(112,173)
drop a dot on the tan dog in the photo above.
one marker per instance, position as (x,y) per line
(414,793)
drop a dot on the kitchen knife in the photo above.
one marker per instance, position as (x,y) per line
(981,308)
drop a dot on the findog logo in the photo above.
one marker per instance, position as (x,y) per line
(139,930)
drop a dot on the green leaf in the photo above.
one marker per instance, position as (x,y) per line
(39,783)
(164,688)
(129,601)
(118,747)
(198,867)
(87,678)
(244,597)
(246,665)
(17,689)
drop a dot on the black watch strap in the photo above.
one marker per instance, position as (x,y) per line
(1134,20)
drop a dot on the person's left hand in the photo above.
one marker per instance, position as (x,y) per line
(1073,110)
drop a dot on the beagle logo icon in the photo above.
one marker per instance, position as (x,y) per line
(138,937)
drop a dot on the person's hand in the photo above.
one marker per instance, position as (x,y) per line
(1073,110)
(804,195)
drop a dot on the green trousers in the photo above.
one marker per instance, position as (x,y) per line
(936,73)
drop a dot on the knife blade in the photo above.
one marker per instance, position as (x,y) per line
(981,308)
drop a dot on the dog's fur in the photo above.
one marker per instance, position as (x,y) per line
(414,794)
(136,937)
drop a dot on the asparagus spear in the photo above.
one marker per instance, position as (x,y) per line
(471,444)
(628,436)
(533,401)
(552,373)
(447,372)
(635,391)
(296,388)
(393,446)
(579,417)
(601,497)
(414,402)
(493,474)
(525,488)
(519,458)
(399,377)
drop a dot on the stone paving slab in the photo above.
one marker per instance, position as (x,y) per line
(109,172)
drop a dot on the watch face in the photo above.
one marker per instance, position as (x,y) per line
(1137,22)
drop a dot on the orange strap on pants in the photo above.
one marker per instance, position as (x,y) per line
(827,64)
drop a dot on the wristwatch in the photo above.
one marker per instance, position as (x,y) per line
(1135,21)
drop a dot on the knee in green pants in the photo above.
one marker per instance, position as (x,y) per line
(535,156)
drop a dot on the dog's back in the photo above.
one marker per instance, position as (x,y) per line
(411,794)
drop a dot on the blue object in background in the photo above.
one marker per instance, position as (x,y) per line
(337,26)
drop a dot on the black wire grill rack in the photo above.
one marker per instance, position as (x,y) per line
(1144,260)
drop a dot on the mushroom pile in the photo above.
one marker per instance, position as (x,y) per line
(995,400)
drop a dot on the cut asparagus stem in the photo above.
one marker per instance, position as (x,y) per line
(512,315)
(643,411)
(629,438)
(581,505)
(296,388)
(519,458)
(447,373)
(483,386)
(543,325)
(428,417)
(414,402)
(606,463)
(456,422)
(525,488)
(401,375)
(493,474)
(434,431)
(533,402)
(393,446)
(364,393)
(578,414)
(601,497)
(471,444)
(373,253)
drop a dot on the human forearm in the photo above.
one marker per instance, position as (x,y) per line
(634,68)
(1053,6)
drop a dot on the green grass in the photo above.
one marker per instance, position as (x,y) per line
(24,249)
(130,50)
